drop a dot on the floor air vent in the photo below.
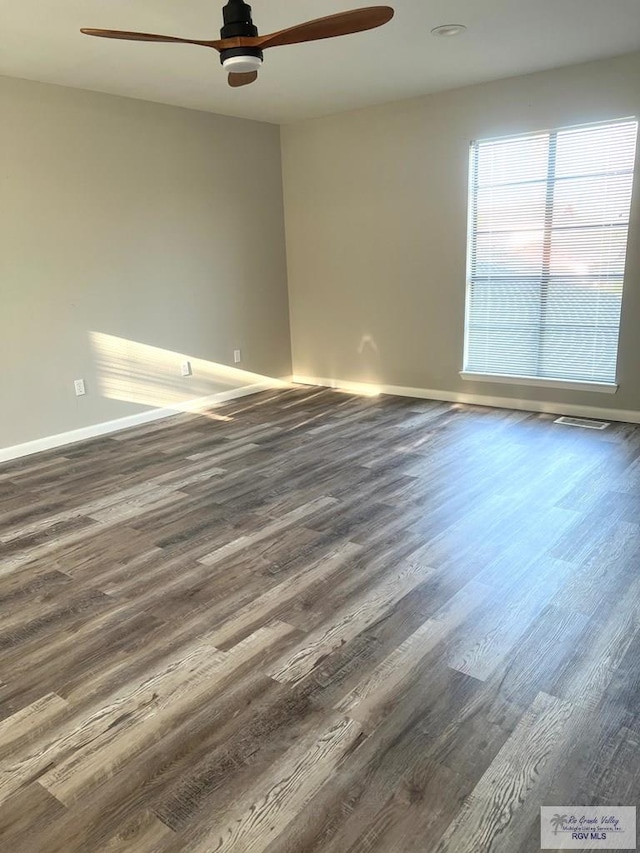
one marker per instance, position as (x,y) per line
(585,423)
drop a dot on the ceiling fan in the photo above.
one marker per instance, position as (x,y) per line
(241,47)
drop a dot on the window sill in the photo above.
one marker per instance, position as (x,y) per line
(566,384)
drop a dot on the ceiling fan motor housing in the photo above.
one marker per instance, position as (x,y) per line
(238,22)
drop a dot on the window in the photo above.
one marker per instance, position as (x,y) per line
(548,222)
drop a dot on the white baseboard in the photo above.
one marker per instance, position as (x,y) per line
(371,389)
(50,442)
(72,436)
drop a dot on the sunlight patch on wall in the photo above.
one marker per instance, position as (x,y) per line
(364,389)
(150,376)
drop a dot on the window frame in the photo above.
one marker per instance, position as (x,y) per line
(545,275)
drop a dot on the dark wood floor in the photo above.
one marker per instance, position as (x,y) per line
(317,622)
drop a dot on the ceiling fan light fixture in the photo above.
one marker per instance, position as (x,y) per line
(448,30)
(242,64)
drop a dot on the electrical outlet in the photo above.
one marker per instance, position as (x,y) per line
(78,384)
(185,368)
(237,356)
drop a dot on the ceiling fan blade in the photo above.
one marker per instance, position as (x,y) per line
(342,24)
(236,79)
(127,36)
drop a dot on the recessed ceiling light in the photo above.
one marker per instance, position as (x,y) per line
(448,30)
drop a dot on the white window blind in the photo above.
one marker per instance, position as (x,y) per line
(548,223)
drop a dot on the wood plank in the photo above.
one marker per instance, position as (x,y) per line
(382,683)
(497,634)
(144,833)
(30,720)
(278,597)
(275,800)
(494,803)
(348,623)
(28,811)
(99,723)
(175,694)
(271,529)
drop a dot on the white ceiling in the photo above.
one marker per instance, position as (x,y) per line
(40,41)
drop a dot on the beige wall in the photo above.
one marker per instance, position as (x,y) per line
(131,235)
(134,236)
(376,209)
